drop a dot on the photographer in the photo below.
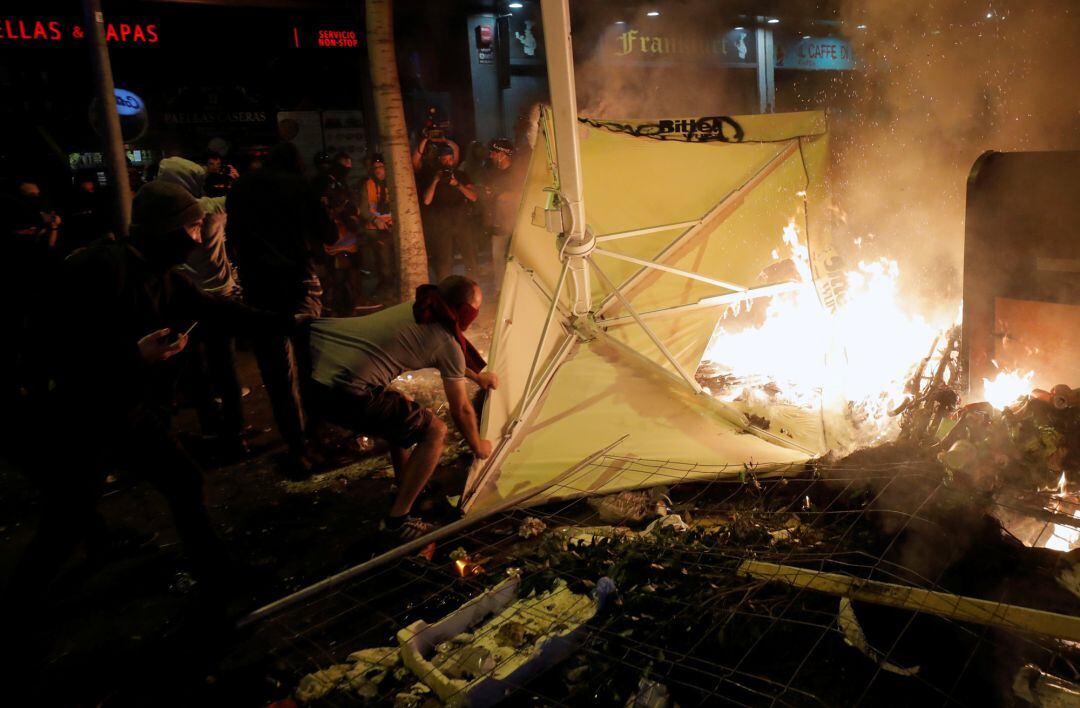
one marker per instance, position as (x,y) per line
(447,195)
(219,176)
(434,137)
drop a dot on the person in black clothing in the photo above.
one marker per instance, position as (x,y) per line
(27,255)
(501,184)
(84,219)
(121,320)
(277,225)
(447,195)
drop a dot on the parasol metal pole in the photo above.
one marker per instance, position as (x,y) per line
(560,69)
(438,534)
(674,271)
(547,326)
(109,118)
(682,372)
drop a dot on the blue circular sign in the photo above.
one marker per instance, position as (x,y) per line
(127,103)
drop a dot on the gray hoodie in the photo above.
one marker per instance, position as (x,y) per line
(209,263)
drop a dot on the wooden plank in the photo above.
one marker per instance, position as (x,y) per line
(941,604)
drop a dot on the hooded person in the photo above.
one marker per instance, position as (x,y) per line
(356,359)
(208,264)
(118,330)
(214,365)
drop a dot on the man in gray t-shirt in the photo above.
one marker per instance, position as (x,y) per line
(355,359)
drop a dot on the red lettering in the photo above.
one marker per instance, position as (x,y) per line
(137,35)
(39,31)
(151,33)
(110,34)
(54,31)
(125,30)
(7,30)
(22,31)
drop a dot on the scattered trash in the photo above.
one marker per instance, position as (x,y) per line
(667,522)
(650,694)
(855,637)
(495,642)
(1039,688)
(632,507)
(183,583)
(361,676)
(531,527)
(788,531)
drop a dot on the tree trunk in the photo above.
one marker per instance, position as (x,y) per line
(394,141)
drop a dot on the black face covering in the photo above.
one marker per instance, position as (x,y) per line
(169,249)
(34,202)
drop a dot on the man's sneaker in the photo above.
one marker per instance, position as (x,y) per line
(410,530)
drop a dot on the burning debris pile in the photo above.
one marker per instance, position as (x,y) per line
(852,361)
(928,568)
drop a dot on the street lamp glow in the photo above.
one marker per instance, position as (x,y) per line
(739,28)
(773,21)
(860,26)
(653,13)
(515,6)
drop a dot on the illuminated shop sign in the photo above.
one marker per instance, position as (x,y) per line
(45,30)
(127,103)
(815,54)
(629,45)
(325,38)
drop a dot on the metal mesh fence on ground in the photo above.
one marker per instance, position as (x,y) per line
(719,612)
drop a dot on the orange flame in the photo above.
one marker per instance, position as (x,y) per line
(862,353)
(1007,387)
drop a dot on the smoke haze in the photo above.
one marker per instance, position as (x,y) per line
(939,83)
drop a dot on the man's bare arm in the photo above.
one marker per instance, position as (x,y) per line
(486,381)
(464,416)
(429,193)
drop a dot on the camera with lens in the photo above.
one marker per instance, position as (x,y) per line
(435,127)
(446,174)
(218,184)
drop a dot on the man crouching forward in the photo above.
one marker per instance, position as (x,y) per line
(355,359)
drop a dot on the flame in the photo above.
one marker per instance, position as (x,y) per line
(865,349)
(461,566)
(1063,537)
(1005,388)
